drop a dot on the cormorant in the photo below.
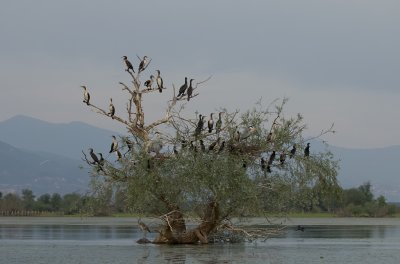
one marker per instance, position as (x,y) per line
(111,109)
(218,124)
(221,148)
(307,150)
(149,82)
(200,125)
(128,64)
(203,147)
(129,144)
(300,228)
(86,95)
(282,157)
(190,90)
(159,81)
(292,151)
(114,145)
(262,163)
(183,88)
(101,161)
(94,157)
(271,157)
(210,123)
(212,145)
(143,227)
(143,64)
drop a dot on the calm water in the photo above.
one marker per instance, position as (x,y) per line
(112,241)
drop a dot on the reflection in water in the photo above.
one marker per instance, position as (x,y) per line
(116,244)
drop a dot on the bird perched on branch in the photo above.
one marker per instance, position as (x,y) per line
(149,82)
(271,158)
(292,151)
(218,124)
(128,64)
(114,145)
(86,95)
(159,81)
(143,64)
(183,88)
(212,145)
(247,132)
(262,163)
(200,125)
(190,90)
(210,123)
(94,157)
(307,150)
(282,157)
(111,109)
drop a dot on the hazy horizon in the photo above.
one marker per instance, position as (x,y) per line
(336,60)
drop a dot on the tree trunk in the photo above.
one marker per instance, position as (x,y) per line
(174,231)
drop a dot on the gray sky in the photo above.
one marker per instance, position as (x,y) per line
(337,60)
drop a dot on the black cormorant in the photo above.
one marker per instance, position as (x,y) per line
(292,151)
(143,64)
(183,88)
(190,90)
(218,124)
(114,145)
(101,161)
(262,162)
(94,157)
(221,148)
(200,125)
(210,123)
(159,81)
(300,228)
(212,145)
(307,150)
(86,95)
(128,64)
(271,158)
(203,147)
(111,109)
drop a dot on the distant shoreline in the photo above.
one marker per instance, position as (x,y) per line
(131,221)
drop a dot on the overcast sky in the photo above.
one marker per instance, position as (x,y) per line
(337,60)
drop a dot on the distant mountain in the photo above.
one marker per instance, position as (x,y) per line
(41,172)
(66,139)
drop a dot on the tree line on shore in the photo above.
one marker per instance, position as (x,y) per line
(358,201)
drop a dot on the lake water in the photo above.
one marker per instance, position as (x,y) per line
(112,240)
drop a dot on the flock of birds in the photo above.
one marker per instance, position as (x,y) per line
(185,89)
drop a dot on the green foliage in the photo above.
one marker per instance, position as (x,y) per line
(232,177)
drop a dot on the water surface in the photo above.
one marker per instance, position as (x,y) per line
(112,240)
